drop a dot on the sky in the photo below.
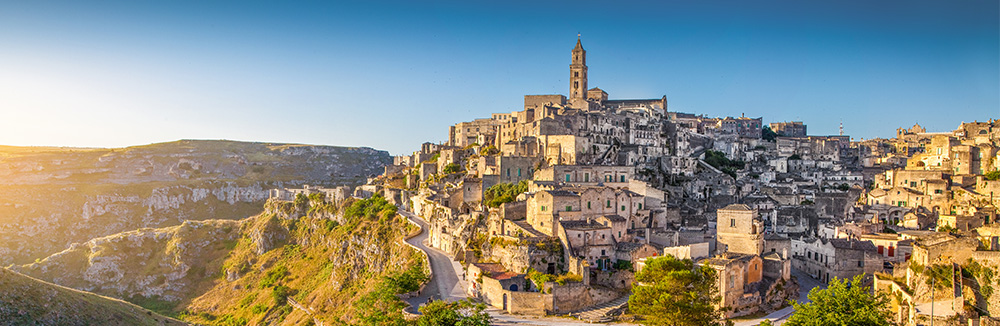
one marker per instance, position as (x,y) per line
(394,74)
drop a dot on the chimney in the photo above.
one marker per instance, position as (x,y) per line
(647,235)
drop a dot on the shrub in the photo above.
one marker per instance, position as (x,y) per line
(273,276)
(502,193)
(280,294)
(452,168)
(371,208)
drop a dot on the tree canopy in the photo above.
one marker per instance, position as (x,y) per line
(459,313)
(670,291)
(767,134)
(504,193)
(843,302)
(723,163)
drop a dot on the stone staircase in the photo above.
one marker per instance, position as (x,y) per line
(602,313)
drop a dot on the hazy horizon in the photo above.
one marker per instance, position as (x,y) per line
(392,75)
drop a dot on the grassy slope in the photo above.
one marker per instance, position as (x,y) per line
(239,272)
(326,267)
(27,301)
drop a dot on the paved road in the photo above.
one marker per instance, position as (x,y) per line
(446,282)
(501,318)
(806,283)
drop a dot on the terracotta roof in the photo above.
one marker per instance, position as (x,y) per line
(491,268)
(505,275)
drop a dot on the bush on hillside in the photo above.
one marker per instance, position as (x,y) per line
(504,193)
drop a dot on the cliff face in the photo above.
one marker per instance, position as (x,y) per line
(265,269)
(54,197)
(166,264)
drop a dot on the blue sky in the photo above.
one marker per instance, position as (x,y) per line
(391,75)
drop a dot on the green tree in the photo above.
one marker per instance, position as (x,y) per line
(723,163)
(459,313)
(669,291)
(452,168)
(504,193)
(992,175)
(845,303)
(767,134)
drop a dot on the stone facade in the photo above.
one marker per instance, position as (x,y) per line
(739,230)
(789,129)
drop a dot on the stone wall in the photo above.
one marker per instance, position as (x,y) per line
(576,296)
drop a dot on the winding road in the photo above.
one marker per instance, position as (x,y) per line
(446,281)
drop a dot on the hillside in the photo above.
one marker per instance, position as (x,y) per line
(317,256)
(54,197)
(27,301)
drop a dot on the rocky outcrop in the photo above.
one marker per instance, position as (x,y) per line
(54,197)
(163,263)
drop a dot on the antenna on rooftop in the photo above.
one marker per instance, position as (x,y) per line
(841,127)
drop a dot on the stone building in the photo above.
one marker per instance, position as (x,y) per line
(789,129)
(464,134)
(739,230)
(824,259)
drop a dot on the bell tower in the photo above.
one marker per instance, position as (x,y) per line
(578,73)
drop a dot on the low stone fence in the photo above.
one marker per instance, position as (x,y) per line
(987,257)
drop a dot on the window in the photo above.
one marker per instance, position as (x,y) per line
(623,178)
(569,208)
(640,205)
(567,177)
(543,208)
(861,263)
(609,203)
(732,222)
(809,254)
(602,250)
(576,85)
(623,208)
(576,74)
(508,172)
(586,177)
(588,205)
(913,183)
(519,172)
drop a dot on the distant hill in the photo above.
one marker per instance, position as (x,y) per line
(54,197)
(27,301)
